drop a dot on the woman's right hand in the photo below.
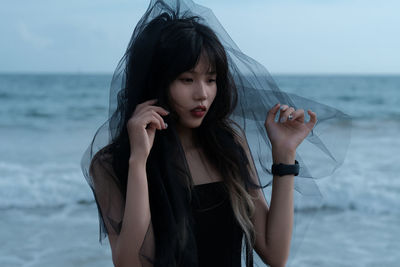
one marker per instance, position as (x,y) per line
(142,127)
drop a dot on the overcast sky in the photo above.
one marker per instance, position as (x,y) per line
(287,36)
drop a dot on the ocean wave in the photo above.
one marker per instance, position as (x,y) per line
(335,208)
(35,113)
(4,95)
(52,185)
(44,185)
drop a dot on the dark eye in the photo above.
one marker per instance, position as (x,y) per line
(186,80)
(212,80)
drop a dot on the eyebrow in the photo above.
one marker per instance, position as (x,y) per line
(209,72)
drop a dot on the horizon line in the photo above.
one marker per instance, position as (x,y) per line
(271,73)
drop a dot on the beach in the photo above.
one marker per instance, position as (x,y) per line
(49,216)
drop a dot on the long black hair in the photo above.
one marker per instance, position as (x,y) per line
(167,47)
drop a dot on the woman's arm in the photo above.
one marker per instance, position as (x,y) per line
(141,128)
(127,220)
(126,246)
(273,225)
(279,223)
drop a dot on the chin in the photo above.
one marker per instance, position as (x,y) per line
(192,124)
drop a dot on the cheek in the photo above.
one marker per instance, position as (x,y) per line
(214,92)
(176,98)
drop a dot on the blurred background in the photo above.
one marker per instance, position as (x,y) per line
(56,63)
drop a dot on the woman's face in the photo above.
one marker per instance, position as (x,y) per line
(191,89)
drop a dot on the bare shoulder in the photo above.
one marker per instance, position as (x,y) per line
(101,164)
(102,156)
(107,195)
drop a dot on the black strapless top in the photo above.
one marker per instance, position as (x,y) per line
(218,235)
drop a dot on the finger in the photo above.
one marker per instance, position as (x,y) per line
(148,102)
(151,101)
(160,110)
(145,104)
(151,121)
(149,118)
(272,113)
(283,108)
(144,109)
(162,123)
(284,115)
(298,115)
(313,119)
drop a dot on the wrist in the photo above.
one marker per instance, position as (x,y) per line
(137,160)
(285,169)
(283,156)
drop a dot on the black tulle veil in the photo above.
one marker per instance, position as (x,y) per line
(319,155)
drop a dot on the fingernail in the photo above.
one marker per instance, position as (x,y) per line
(283,119)
(166,125)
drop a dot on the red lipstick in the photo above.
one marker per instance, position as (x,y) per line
(198,111)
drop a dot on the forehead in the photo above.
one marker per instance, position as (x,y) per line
(203,66)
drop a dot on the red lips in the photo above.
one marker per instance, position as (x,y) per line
(198,111)
(199,108)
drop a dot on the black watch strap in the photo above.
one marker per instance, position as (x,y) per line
(285,169)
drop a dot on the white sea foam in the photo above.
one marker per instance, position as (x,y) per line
(41,185)
(367,181)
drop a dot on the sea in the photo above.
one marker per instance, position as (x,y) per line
(48,216)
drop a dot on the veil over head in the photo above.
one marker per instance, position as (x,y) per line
(320,154)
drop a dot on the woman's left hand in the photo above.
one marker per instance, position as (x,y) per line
(286,134)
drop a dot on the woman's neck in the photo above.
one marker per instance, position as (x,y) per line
(186,136)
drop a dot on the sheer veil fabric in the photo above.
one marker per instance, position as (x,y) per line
(320,154)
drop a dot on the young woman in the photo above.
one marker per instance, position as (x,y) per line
(175,181)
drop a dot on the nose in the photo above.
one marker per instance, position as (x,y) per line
(201,91)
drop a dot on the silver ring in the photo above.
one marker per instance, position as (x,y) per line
(290,116)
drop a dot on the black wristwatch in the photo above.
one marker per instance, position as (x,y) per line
(285,169)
